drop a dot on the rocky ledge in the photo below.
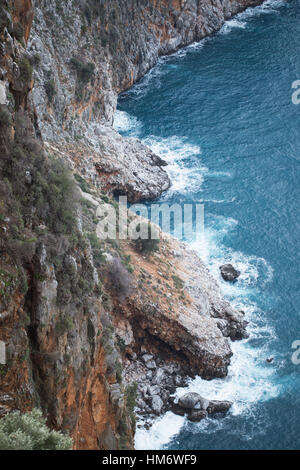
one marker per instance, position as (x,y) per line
(116,165)
(157,383)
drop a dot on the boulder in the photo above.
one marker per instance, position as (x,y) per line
(178,381)
(229,273)
(177,410)
(216,406)
(157,404)
(197,415)
(191,400)
(147,357)
(151,365)
(158,376)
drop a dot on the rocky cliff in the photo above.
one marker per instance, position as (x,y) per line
(78,315)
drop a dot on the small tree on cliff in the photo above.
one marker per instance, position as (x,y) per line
(29,431)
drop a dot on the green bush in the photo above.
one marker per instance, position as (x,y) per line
(25,69)
(84,71)
(50,90)
(5,117)
(18,31)
(98,254)
(29,431)
(52,191)
(64,324)
(82,183)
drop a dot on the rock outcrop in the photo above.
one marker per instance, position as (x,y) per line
(229,273)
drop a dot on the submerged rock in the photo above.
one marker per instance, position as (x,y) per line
(229,273)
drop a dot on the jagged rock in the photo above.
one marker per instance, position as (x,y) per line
(177,410)
(178,381)
(216,406)
(190,400)
(197,415)
(149,375)
(153,390)
(158,376)
(127,167)
(151,365)
(229,273)
(147,357)
(157,404)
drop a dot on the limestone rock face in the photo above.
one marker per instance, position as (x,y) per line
(123,46)
(127,167)
(84,54)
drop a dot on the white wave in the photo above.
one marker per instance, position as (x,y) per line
(250,379)
(125,123)
(218,201)
(160,433)
(219,174)
(152,78)
(230,24)
(175,151)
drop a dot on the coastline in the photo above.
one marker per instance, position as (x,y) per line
(152,321)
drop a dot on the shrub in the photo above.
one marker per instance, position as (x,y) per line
(179,284)
(96,246)
(84,29)
(29,431)
(120,278)
(52,191)
(84,71)
(5,117)
(64,325)
(25,69)
(131,396)
(82,183)
(50,90)
(18,31)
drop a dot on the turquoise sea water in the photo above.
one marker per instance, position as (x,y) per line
(220,112)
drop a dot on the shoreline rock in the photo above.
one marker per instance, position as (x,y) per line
(229,273)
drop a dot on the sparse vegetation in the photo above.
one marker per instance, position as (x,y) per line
(25,69)
(50,90)
(131,396)
(85,71)
(29,431)
(64,324)
(18,31)
(121,280)
(82,183)
(178,283)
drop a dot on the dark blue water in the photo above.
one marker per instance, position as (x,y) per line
(221,113)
